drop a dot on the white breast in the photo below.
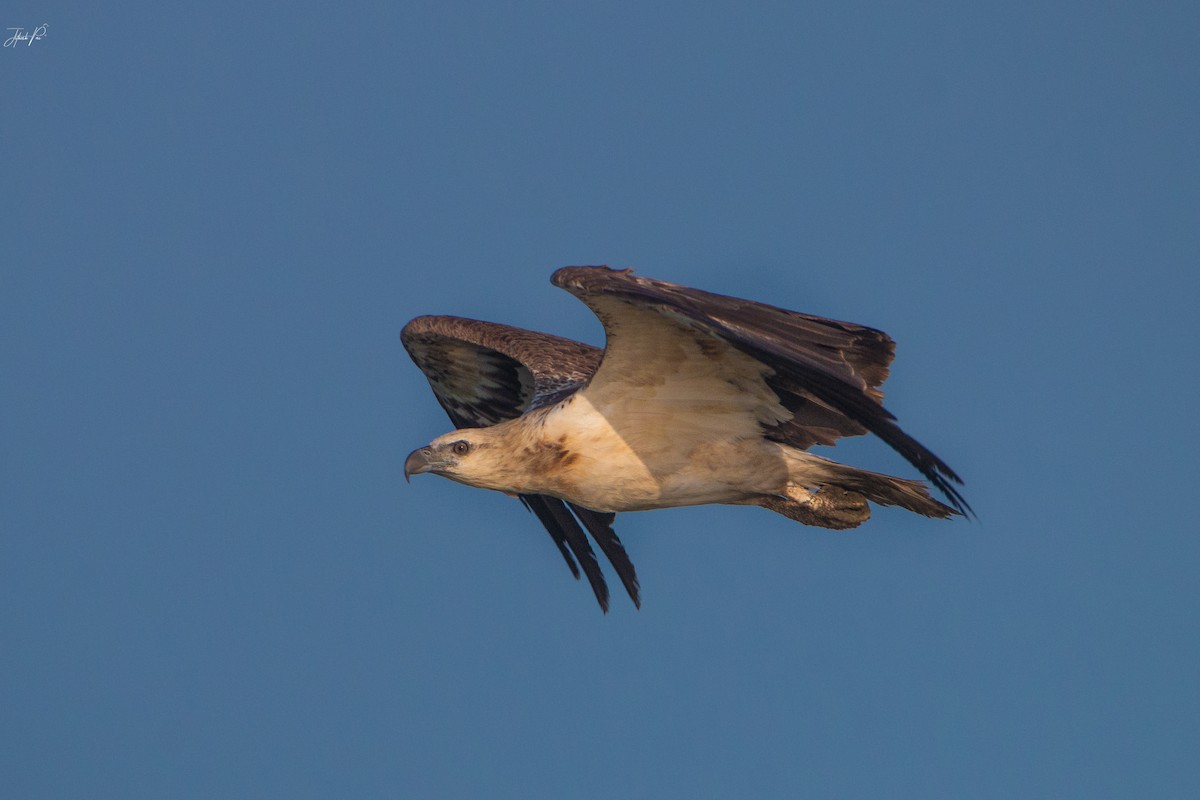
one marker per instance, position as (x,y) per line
(653,455)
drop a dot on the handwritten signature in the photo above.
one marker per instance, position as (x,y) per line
(29,37)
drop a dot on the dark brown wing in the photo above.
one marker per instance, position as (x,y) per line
(826,372)
(483,373)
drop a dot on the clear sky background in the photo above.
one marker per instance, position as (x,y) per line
(216,218)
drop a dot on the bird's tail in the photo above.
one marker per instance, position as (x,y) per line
(889,491)
(831,495)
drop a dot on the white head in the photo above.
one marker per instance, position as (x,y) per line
(474,456)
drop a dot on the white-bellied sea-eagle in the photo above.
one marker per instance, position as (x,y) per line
(696,398)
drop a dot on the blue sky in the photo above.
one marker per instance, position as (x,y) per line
(215,220)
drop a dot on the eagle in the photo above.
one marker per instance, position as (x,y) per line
(696,398)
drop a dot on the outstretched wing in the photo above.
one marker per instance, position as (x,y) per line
(483,373)
(823,375)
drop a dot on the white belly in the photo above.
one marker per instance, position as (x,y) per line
(658,461)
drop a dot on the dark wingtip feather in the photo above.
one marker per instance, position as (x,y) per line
(558,521)
(560,541)
(600,526)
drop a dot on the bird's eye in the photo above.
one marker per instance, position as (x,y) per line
(461,448)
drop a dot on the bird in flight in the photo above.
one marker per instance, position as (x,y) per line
(696,398)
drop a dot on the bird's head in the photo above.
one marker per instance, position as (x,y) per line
(468,456)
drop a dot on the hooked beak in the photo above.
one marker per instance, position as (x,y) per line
(423,461)
(418,461)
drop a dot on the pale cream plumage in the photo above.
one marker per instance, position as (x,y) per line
(698,399)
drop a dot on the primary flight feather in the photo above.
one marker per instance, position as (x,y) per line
(696,398)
